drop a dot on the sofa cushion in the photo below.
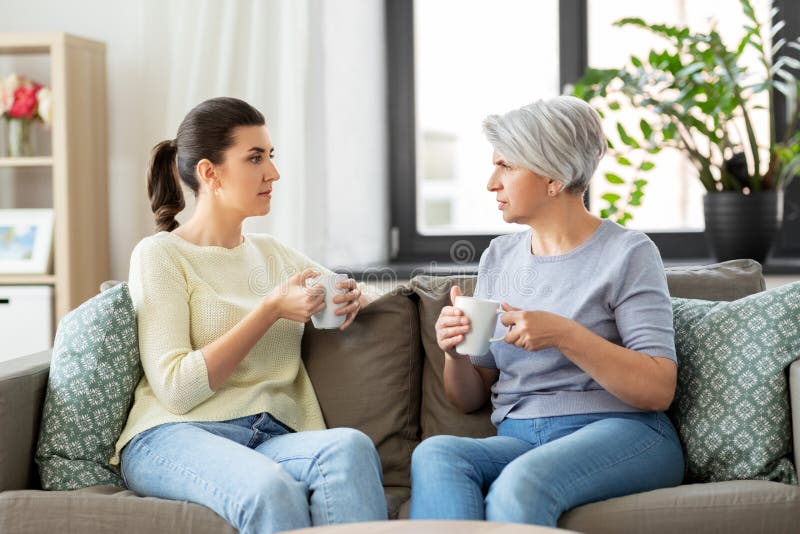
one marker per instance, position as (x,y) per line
(396,498)
(713,508)
(438,415)
(729,280)
(368,377)
(94,370)
(104,509)
(731,406)
(23,385)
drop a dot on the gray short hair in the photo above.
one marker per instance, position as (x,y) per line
(561,139)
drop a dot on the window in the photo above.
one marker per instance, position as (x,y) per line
(489,62)
(452,62)
(673,199)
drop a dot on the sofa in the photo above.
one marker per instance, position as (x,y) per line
(384,377)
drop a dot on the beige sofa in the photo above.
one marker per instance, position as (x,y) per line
(383,376)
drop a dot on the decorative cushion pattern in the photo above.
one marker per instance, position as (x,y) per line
(731,406)
(93,373)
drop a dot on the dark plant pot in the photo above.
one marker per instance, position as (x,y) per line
(742,226)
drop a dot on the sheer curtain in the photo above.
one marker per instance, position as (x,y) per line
(316,71)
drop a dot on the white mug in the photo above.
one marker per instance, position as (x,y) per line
(482,315)
(327,318)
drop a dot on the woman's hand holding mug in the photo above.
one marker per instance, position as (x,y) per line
(297,302)
(466,328)
(452,326)
(350,301)
(534,330)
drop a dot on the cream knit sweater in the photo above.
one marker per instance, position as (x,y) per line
(187,296)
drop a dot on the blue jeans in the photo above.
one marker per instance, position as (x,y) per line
(536,469)
(259,475)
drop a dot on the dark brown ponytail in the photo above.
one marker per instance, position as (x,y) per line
(163,188)
(205,133)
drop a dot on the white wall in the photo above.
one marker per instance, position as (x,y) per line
(347,157)
(118,24)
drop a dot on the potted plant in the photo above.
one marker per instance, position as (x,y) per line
(697,96)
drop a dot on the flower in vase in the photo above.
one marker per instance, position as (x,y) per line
(24,105)
(45,98)
(21,98)
(8,86)
(22,102)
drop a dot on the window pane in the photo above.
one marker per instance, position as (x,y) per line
(473,58)
(673,199)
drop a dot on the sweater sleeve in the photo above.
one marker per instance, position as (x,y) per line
(175,371)
(642,306)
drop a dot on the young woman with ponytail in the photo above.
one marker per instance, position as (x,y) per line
(225,414)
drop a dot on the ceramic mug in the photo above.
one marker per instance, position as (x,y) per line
(327,318)
(482,315)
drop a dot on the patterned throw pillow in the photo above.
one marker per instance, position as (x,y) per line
(732,404)
(93,373)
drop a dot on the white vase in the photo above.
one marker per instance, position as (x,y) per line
(18,137)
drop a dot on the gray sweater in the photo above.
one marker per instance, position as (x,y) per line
(613,284)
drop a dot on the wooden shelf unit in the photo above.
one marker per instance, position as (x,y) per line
(36,161)
(27,279)
(78,164)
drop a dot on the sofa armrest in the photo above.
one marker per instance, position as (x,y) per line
(23,386)
(794,400)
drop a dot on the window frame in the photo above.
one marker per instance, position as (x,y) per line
(407,245)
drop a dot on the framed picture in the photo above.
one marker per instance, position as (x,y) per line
(26,241)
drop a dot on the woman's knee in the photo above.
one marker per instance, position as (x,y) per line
(440,455)
(352,438)
(435,448)
(352,441)
(353,447)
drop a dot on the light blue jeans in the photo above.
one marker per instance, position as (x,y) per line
(536,469)
(259,475)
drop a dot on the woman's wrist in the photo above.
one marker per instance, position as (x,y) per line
(270,306)
(566,336)
(457,359)
(366,298)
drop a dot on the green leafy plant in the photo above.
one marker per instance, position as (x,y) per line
(698,96)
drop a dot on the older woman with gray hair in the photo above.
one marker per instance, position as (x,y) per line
(587,367)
